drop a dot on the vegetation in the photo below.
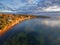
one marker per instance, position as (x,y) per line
(8,19)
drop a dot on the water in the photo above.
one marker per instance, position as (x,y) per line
(48,29)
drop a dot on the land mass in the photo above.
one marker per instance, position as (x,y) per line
(7,21)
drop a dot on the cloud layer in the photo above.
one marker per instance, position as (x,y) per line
(44,5)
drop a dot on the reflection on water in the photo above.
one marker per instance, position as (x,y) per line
(52,23)
(48,31)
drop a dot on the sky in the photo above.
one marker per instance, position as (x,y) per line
(39,5)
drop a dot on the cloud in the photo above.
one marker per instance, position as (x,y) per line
(15,4)
(36,5)
(5,11)
(33,2)
(52,8)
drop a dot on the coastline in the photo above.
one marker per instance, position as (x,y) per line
(14,22)
(2,32)
(18,19)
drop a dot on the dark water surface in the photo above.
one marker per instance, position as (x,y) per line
(48,29)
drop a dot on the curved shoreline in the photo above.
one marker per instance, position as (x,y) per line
(17,20)
(2,32)
(14,22)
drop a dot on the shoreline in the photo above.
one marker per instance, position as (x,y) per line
(2,32)
(6,28)
(17,20)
